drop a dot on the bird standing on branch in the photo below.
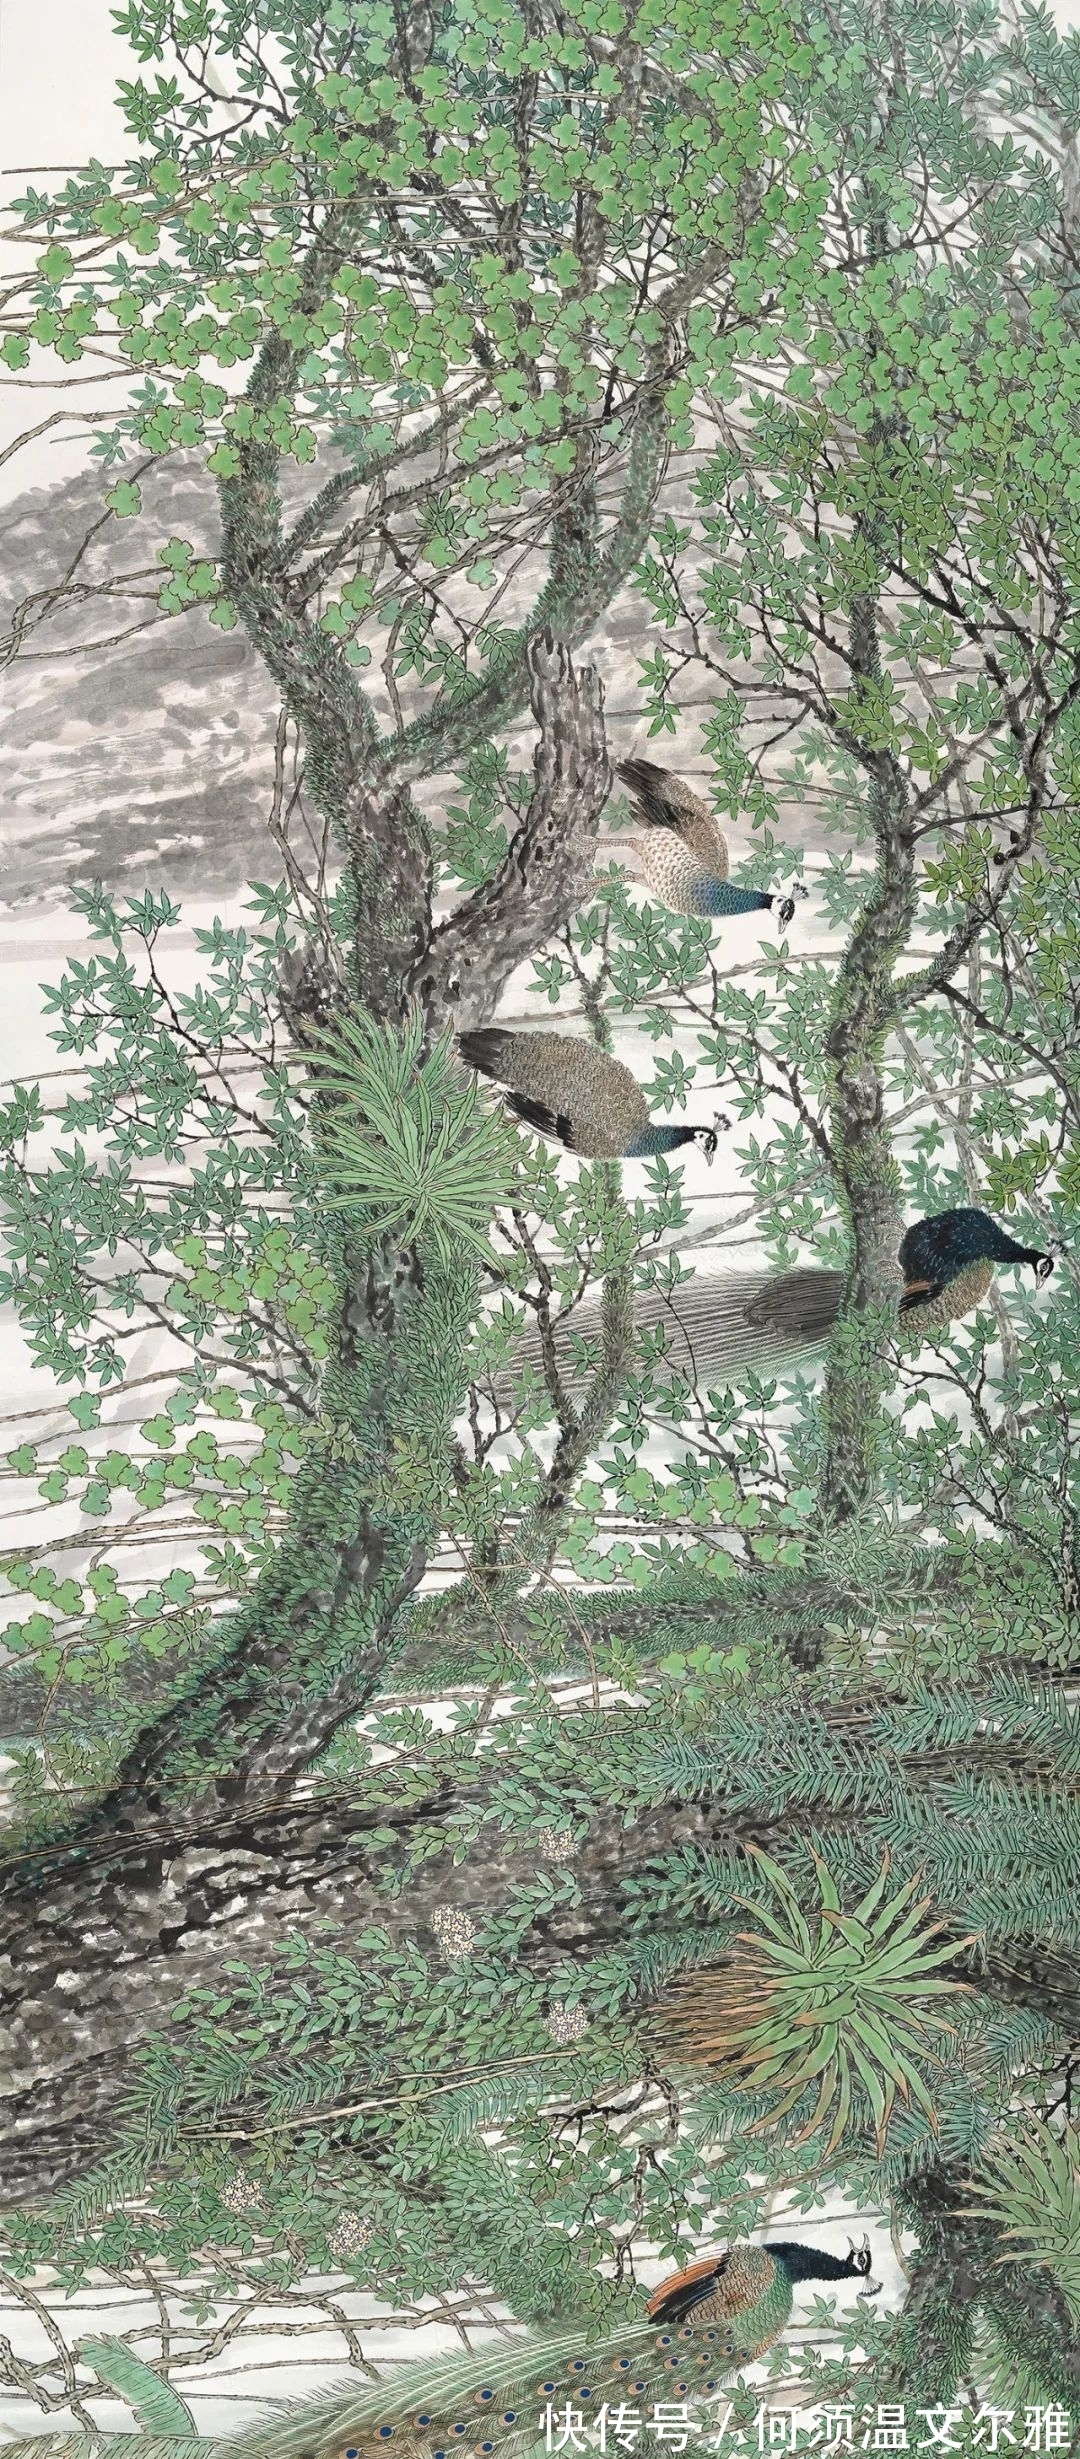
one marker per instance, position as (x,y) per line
(683,854)
(568,1089)
(702,2323)
(716,1327)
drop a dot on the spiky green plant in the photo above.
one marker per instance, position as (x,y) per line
(407,1141)
(841,2008)
(1030,2188)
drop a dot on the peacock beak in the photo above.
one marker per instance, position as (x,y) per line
(872,2288)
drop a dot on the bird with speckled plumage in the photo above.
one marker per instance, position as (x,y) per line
(698,2327)
(718,1326)
(683,853)
(570,1090)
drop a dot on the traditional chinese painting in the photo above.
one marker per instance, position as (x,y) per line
(539,1183)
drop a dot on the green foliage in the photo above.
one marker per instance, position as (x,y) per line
(408,1139)
(476,297)
(1030,2188)
(843,2010)
(157,2407)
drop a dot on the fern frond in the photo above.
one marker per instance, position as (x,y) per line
(154,2403)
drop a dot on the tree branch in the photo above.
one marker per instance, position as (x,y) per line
(540,881)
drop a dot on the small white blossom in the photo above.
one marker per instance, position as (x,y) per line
(238,2193)
(349,2235)
(567,2023)
(455,1932)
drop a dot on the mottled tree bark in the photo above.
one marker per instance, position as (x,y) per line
(863,1005)
(99,1939)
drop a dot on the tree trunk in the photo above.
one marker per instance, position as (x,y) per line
(103,1938)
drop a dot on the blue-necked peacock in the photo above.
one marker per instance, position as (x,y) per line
(716,1326)
(569,1089)
(683,853)
(699,2326)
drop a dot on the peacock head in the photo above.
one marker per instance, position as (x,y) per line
(860,2258)
(786,907)
(812,2263)
(709,1137)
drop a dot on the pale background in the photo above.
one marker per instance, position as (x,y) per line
(59,60)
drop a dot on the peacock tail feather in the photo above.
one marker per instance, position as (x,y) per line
(714,1326)
(495,2405)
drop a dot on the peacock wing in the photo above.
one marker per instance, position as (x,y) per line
(722,2312)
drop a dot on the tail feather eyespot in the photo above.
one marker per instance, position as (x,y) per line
(484,2398)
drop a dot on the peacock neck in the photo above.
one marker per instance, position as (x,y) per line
(810,2263)
(658,1140)
(967,1235)
(713,897)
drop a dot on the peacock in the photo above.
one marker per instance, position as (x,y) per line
(567,1088)
(717,1327)
(699,2326)
(683,854)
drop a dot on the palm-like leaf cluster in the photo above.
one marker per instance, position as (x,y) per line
(849,1992)
(407,1142)
(1031,2189)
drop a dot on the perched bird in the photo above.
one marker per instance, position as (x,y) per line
(569,1089)
(718,1326)
(700,2325)
(683,853)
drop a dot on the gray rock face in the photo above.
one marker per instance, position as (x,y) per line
(138,749)
(140,756)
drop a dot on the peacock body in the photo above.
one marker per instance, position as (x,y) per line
(569,1089)
(683,853)
(699,2326)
